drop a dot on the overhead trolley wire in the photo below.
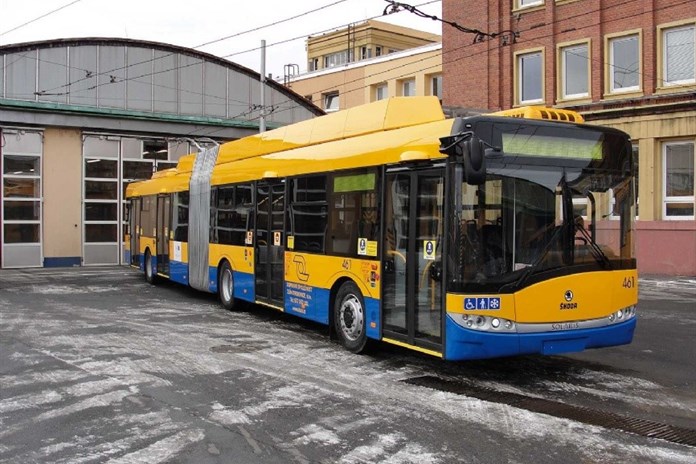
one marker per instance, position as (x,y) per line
(458,49)
(39,17)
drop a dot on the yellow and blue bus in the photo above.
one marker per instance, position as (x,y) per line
(473,237)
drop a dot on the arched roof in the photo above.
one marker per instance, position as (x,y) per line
(138,76)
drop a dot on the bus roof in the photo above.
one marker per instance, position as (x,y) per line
(379,116)
(384,132)
(420,142)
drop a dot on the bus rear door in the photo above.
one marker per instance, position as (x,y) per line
(270,242)
(412,289)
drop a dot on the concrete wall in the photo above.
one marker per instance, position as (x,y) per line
(667,248)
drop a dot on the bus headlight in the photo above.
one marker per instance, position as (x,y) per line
(485,323)
(623,314)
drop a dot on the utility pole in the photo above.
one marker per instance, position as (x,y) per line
(262,117)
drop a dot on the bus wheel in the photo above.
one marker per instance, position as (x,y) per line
(226,286)
(349,317)
(149,269)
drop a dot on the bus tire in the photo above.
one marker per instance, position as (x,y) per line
(349,317)
(226,286)
(150,274)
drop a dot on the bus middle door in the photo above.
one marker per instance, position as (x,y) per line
(270,243)
(413,239)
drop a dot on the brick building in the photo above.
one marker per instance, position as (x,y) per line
(629,64)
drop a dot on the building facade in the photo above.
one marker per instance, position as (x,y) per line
(630,64)
(81,118)
(382,61)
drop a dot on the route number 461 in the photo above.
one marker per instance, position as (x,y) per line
(629,282)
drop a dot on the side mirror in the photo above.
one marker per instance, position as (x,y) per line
(474,161)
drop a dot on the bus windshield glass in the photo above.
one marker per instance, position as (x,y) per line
(553,204)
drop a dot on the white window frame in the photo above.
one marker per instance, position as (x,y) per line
(381,88)
(519,81)
(520,4)
(329,99)
(610,68)
(563,50)
(37,199)
(663,31)
(406,85)
(676,199)
(436,85)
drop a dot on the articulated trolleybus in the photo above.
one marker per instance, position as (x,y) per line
(476,237)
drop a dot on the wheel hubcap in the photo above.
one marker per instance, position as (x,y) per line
(351,318)
(227,289)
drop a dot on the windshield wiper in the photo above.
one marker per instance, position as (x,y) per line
(532,267)
(596,251)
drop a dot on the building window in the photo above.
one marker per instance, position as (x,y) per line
(436,86)
(530,83)
(381,92)
(624,64)
(408,88)
(527,3)
(378,51)
(336,59)
(575,71)
(678,180)
(313,64)
(678,55)
(365,53)
(331,101)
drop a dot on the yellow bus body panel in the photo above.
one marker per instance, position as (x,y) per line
(322,271)
(241,258)
(594,295)
(146,242)
(184,251)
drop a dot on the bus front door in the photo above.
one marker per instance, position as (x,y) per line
(270,243)
(163,224)
(412,289)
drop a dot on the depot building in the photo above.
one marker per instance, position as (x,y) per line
(82,118)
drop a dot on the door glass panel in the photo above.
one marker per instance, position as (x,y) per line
(100,232)
(18,165)
(22,210)
(137,170)
(100,211)
(262,235)
(429,257)
(101,168)
(21,233)
(278,238)
(95,190)
(396,253)
(21,188)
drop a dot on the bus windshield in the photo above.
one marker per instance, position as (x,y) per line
(537,215)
